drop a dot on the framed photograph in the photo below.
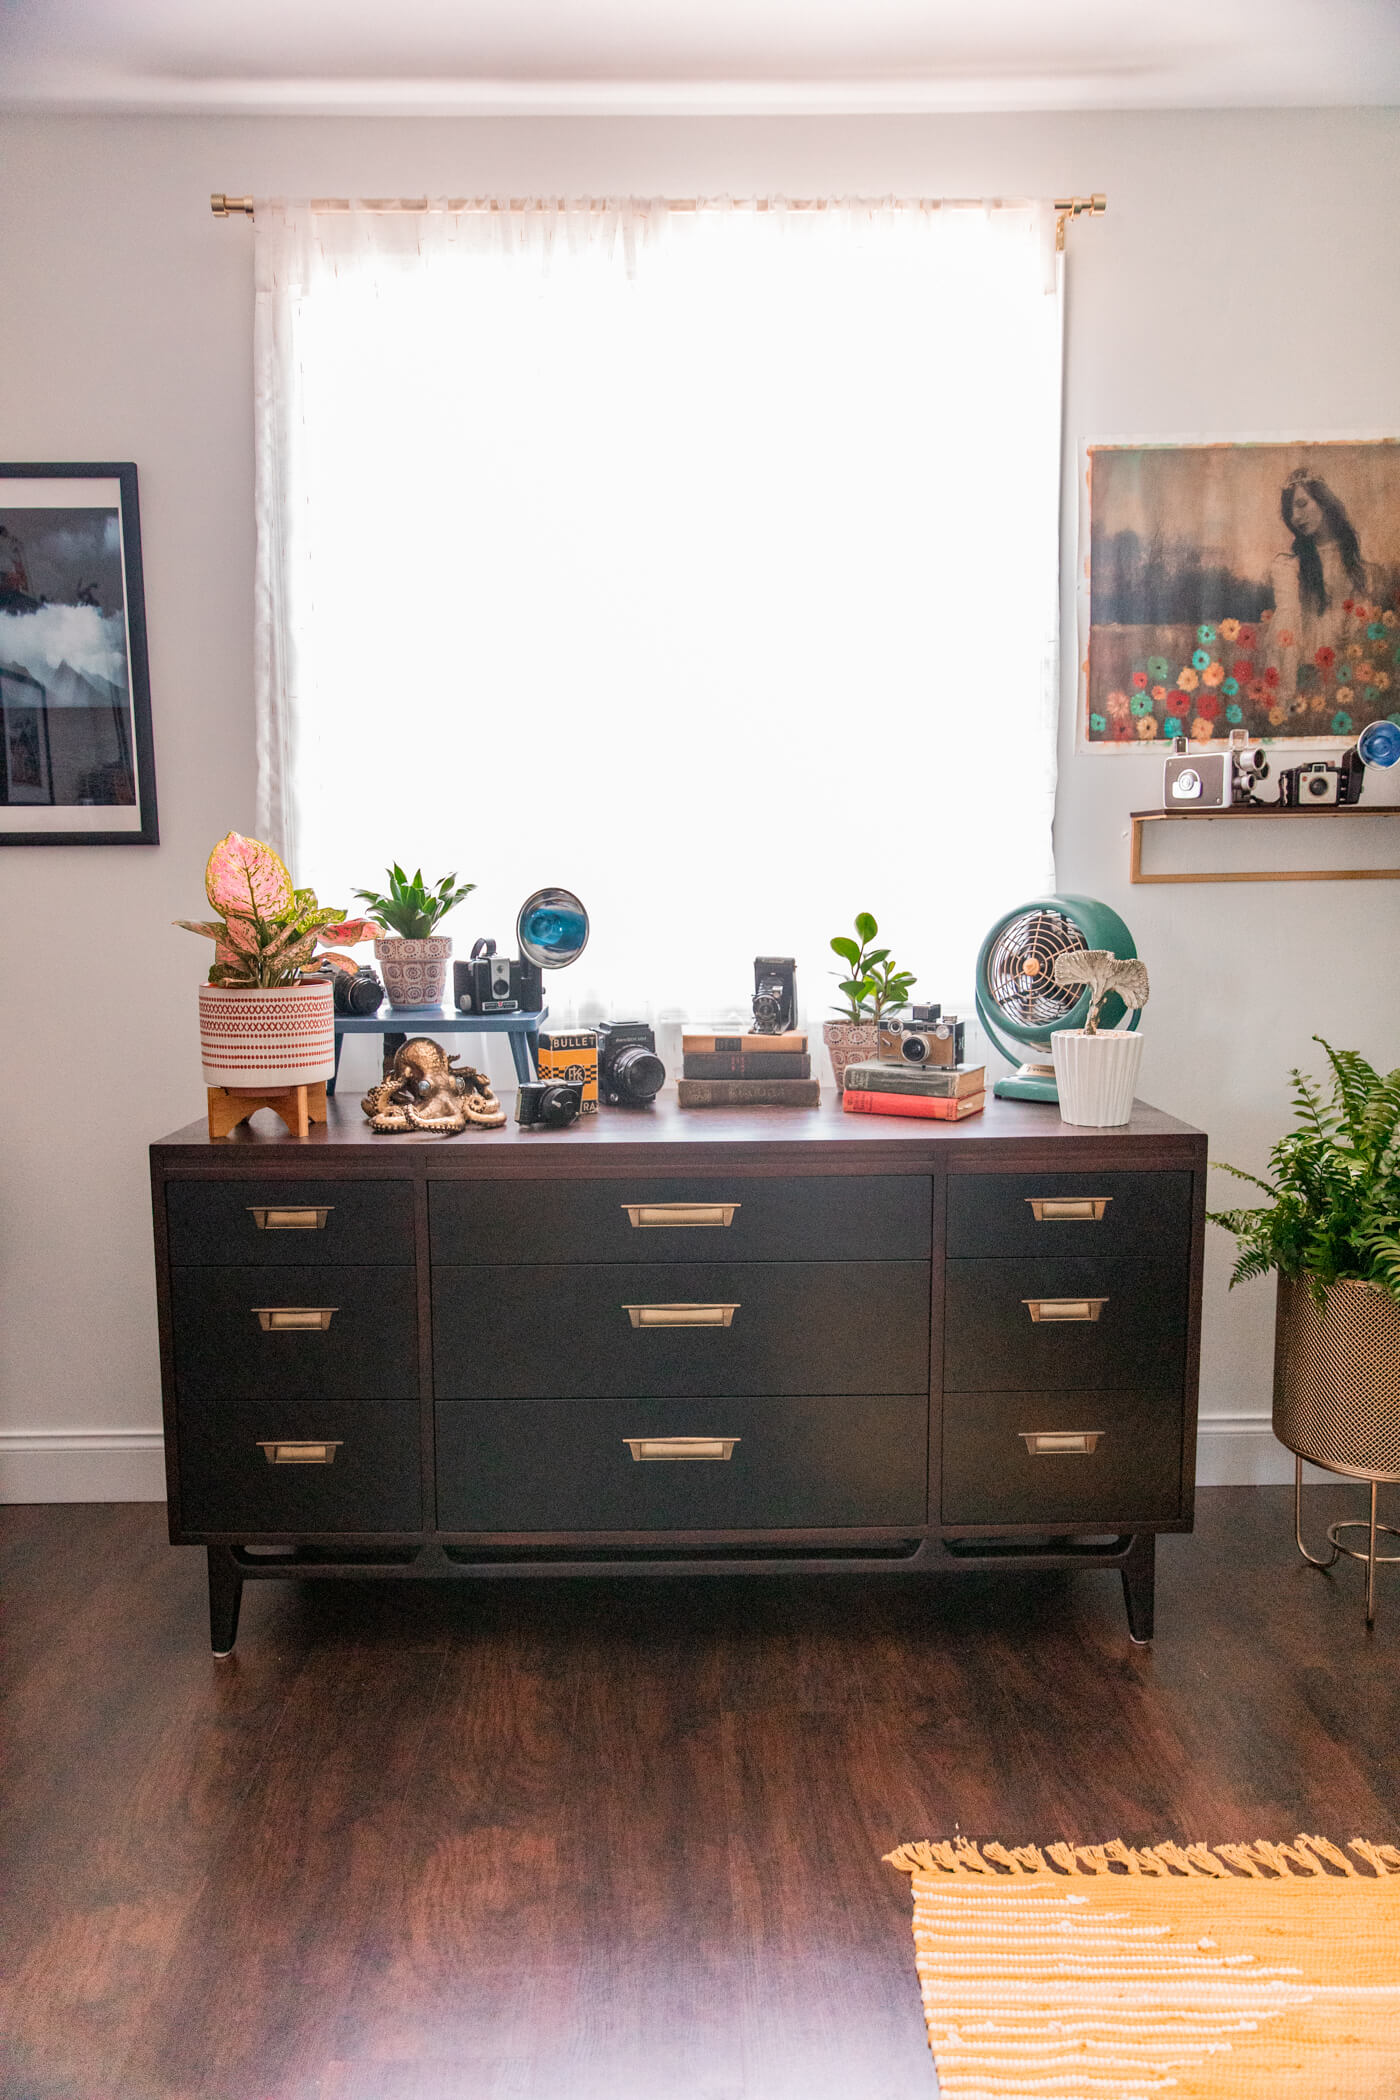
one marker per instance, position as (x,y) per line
(77,765)
(1242,586)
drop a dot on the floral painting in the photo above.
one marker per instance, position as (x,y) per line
(1252,587)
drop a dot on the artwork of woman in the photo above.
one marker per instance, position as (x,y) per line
(1317,581)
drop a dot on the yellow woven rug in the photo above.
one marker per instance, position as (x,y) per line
(1100,1972)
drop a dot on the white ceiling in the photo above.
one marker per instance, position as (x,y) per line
(532,56)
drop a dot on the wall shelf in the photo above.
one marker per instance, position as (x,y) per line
(1356,813)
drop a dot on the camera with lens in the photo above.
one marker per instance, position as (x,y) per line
(496,984)
(1320,786)
(356,992)
(928,1037)
(630,1074)
(548,1104)
(774,994)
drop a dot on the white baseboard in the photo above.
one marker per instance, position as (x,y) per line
(128,1465)
(82,1465)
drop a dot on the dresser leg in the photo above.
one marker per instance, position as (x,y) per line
(225,1596)
(1139,1575)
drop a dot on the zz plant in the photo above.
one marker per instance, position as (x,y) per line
(413,909)
(874,984)
(1333,1214)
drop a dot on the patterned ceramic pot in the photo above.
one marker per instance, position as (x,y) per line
(272,1039)
(1096,1074)
(1337,1377)
(415,972)
(847,1042)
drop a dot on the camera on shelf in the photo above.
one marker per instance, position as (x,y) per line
(548,1104)
(356,992)
(1320,786)
(496,984)
(630,1074)
(928,1037)
(774,994)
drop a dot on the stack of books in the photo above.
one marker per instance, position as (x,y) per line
(945,1093)
(746,1071)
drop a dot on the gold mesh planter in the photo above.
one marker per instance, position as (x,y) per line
(1337,1401)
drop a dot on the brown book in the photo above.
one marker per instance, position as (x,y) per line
(748,1093)
(738,1064)
(872,1077)
(706,1044)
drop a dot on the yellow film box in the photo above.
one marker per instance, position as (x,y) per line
(572,1053)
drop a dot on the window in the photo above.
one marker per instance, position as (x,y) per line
(705,563)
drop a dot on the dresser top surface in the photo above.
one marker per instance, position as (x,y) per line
(1005,1134)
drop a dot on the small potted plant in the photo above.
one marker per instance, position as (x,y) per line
(262,1022)
(414,957)
(1096,1068)
(1330,1231)
(872,987)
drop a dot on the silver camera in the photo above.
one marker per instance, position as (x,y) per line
(1200,780)
(919,1042)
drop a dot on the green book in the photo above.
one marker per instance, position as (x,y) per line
(938,1082)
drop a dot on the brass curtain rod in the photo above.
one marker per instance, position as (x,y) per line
(226,207)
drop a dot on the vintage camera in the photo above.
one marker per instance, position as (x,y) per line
(356,992)
(548,1104)
(774,994)
(1248,767)
(496,984)
(1320,786)
(630,1074)
(937,1040)
(1197,779)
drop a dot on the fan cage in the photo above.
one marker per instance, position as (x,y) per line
(1020,968)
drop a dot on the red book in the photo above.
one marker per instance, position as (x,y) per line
(934,1108)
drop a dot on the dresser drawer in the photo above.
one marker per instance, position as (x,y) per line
(559,1465)
(290,1224)
(698,1217)
(299,1465)
(1061,1458)
(333,1334)
(1070,1214)
(1014,1326)
(548,1331)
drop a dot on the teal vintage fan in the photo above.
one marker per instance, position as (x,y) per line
(1018,1001)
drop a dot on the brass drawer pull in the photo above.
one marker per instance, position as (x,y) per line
(672,1447)
(1068,1210)
(1060,1443)
(295,1319)
(280,1451)
(1051,1310)
(647,1216)
(680,1315)
(307,1217)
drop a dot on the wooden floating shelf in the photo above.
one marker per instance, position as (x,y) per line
(1140,817)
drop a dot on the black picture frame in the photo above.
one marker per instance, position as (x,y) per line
(75,742)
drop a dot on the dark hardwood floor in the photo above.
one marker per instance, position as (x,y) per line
(616,1840)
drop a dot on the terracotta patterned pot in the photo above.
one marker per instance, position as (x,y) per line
(273,1039)
(847,1042)
(415,972)
(1096,1074)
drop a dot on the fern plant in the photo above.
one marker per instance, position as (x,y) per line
(1334,1209)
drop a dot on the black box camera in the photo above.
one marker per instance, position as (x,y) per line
(548,1104)
(496,984)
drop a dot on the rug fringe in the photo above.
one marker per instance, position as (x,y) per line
(1306,1859)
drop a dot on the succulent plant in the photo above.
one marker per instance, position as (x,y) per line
(413,909)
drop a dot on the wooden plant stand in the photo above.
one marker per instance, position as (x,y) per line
(298,1106)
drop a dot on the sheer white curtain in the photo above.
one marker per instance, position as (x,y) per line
(704,563)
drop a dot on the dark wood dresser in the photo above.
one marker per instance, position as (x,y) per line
(677,1342)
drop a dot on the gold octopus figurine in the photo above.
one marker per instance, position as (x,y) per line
(423,1090)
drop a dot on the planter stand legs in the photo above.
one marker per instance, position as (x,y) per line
(1369,1525)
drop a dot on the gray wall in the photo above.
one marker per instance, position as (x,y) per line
(1246,281)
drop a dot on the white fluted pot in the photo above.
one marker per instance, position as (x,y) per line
(1096,1075)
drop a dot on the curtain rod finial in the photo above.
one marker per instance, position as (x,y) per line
(229,207)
